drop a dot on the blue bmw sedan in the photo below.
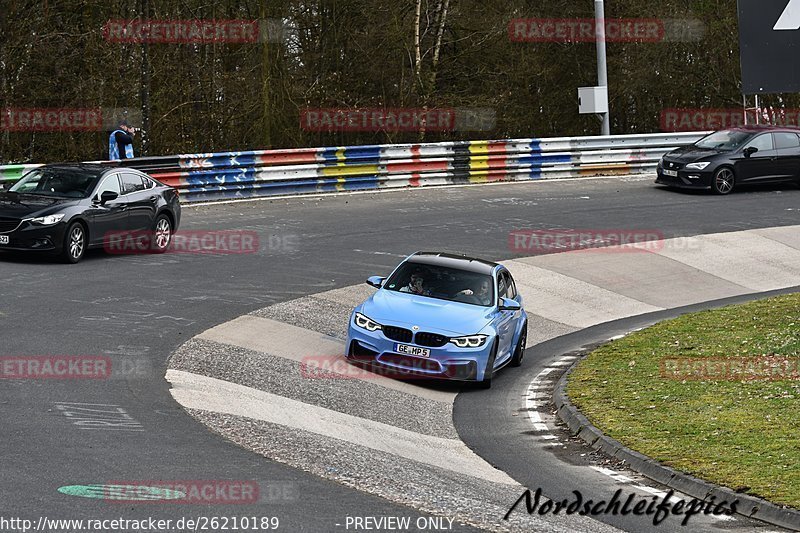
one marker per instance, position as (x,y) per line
(441,316)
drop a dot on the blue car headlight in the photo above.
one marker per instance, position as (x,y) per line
(470,341)
(366,322)
(49,220)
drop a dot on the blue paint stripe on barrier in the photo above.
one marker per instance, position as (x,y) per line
(368,152)
(542,159)
(282,188)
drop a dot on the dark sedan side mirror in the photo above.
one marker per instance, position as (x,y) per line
(7,185)
(108,196)
(750,150)
(375,281)
(507,304)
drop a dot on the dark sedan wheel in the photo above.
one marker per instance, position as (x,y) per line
(724,181)
(519,353)
(488,374)
(74,243)
(162,235)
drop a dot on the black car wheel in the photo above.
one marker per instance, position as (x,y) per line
(519,353)
(162,234)
(488,374)
(724,181)
(74,243)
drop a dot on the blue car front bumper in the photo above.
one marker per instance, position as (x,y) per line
(445,362)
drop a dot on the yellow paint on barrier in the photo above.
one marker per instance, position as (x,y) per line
(479,176)
(479,163)
(479,147)
(350,170)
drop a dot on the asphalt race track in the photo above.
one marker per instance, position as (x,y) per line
(139,309)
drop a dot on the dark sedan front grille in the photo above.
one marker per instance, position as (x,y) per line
(434,340)
(672,165)
(397,334)
(8,224)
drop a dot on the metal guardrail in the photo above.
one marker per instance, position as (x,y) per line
(230,175)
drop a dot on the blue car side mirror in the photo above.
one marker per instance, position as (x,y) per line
(507,304)
(375,281)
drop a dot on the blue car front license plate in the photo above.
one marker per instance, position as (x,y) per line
(412,350)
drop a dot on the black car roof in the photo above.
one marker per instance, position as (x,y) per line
(759,128)
(85,167)
(470,264)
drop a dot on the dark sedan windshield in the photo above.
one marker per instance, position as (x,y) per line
(444,283)
(64,183)
(725,140)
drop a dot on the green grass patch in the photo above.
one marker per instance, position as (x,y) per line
(743,434)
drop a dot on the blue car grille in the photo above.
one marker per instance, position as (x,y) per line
(411,363)
(397,334)
(434,340)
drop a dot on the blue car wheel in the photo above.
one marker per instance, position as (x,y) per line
(519,352)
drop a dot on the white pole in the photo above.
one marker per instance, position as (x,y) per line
(602,69)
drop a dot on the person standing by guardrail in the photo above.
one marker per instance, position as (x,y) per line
(120,142)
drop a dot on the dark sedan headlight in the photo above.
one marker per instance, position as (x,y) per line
(367,323)
(698,166)
(470,341)
(48,220)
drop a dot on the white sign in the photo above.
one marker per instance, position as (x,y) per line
(790,19)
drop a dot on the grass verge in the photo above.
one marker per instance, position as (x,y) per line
(715,394)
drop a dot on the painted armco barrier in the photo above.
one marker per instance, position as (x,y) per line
(262,173)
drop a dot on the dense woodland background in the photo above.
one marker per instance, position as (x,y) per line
(348,53)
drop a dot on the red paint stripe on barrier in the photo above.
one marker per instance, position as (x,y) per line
(418,166)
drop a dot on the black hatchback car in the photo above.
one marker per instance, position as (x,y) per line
(67,208)
(728,158)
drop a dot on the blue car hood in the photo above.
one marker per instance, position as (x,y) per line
(430,314)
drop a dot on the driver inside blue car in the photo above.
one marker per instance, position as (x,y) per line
(482,292)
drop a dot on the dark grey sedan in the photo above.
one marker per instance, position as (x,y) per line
(67,208)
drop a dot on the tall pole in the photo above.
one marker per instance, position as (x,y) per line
(266,110)
(144,86)
(602,68)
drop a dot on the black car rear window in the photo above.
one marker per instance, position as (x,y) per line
(786,140)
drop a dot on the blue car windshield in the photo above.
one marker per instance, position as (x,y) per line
(443,283)
(725,140)
(57,182)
